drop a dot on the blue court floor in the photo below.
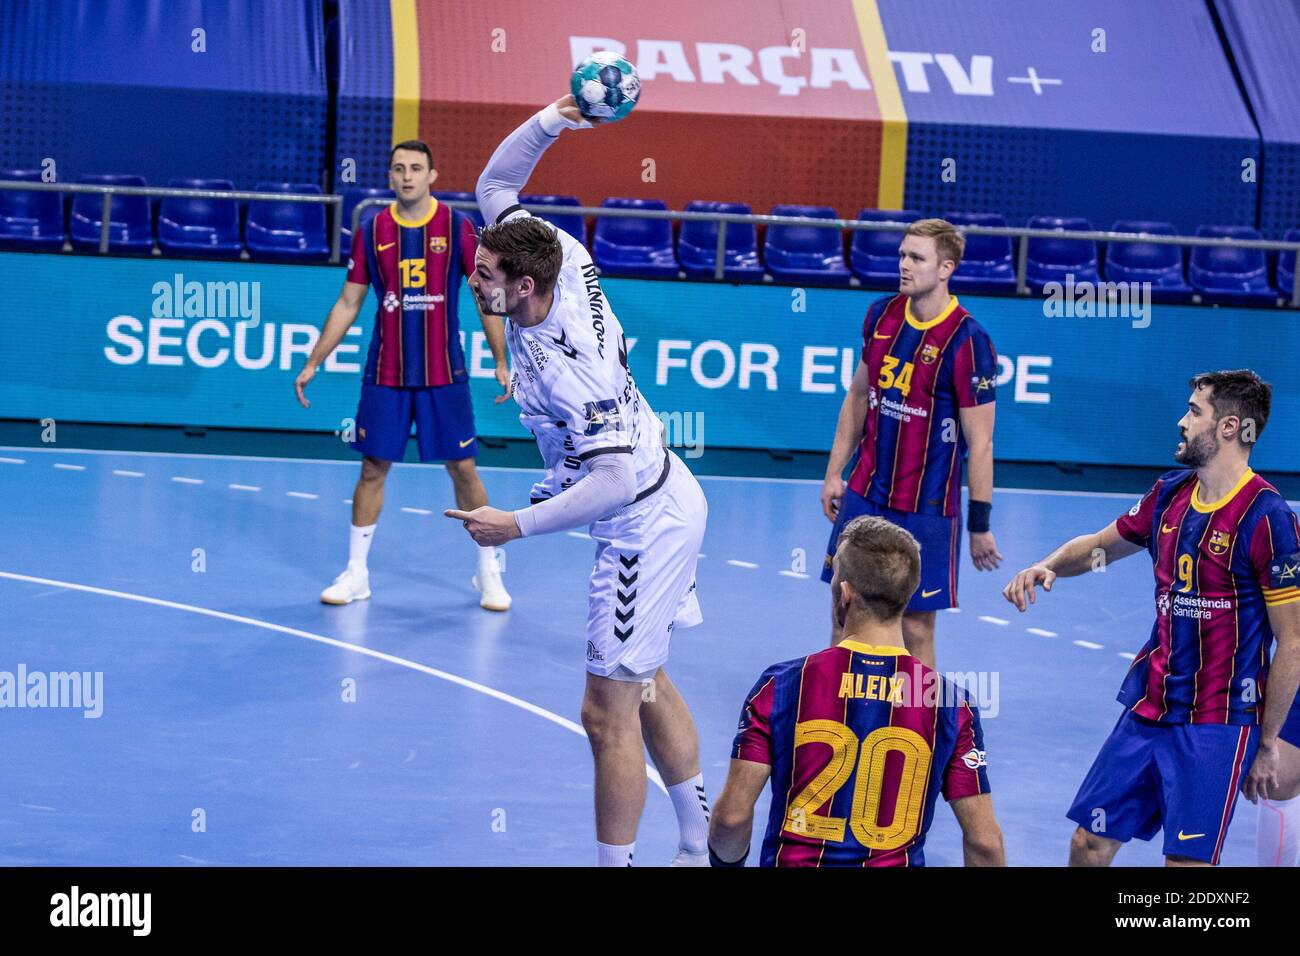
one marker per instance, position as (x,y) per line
(243,722)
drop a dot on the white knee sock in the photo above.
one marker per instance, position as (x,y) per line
(359,546)
(613,854)
(1277,839)
(692,808)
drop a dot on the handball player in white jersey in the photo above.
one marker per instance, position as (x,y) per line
(606,468)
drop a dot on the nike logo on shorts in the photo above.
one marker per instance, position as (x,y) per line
(926,594)
(382,247)
(466,442)
(1189,836)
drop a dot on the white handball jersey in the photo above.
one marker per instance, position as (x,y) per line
(575,391)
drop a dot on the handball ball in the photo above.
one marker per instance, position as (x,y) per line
(605,86)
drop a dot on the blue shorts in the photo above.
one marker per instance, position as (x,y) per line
(1182,777)
(937,535)
(1291,729)
(443,417)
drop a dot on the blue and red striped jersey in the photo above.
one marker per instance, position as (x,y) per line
(1218,568)
(415,268)
(922,373)
(861,740)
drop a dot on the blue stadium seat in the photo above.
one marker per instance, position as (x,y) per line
(475,216)
(1285,265)
(351,200)
(30,219)
(1230,276)
(697,244)
(1052,260)
(805,253)
(287,230)
(632,246)
(873,256)
(200,227)
(130,224)
(987,264)
(573,225)
(1157,263)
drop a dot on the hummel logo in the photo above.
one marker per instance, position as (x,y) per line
(926,594)
(1165,529)
(1189,836)
(382,247)
(563,343)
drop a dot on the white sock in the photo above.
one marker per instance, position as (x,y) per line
(612,854)
(359,546)
(692,808)
(1277,838)
(487,559)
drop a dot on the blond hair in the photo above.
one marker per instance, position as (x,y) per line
(949,243)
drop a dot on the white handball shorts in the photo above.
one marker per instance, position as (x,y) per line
(643,583)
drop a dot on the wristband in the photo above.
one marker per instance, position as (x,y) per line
(715,860)
(977,516)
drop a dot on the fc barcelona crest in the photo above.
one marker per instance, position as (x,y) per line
(1220,542)
(929,354)
(437,244)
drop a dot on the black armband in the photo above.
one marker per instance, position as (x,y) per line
(977,515)
(715,860)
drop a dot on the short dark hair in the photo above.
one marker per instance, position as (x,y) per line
(415,146)
(881,562)
(1241,393)
(527,246)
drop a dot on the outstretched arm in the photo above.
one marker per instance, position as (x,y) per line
(512,163)
(608,485)
(1076,556)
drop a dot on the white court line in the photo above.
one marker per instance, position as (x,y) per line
(302,494)
(187,481)
(1040,632)
(522,704)
(741,564)
(417,511)
(953,610)
(1089,645)
(794,574)
(66,467)
(578,534)
(13,461)
(1131,496)
(993,620)
(128,474)
(1126,655)
(244,487)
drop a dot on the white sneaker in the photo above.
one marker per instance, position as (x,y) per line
(685,857)
(488,583)
(352,585)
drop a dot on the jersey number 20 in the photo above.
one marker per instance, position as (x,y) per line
(801,817)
